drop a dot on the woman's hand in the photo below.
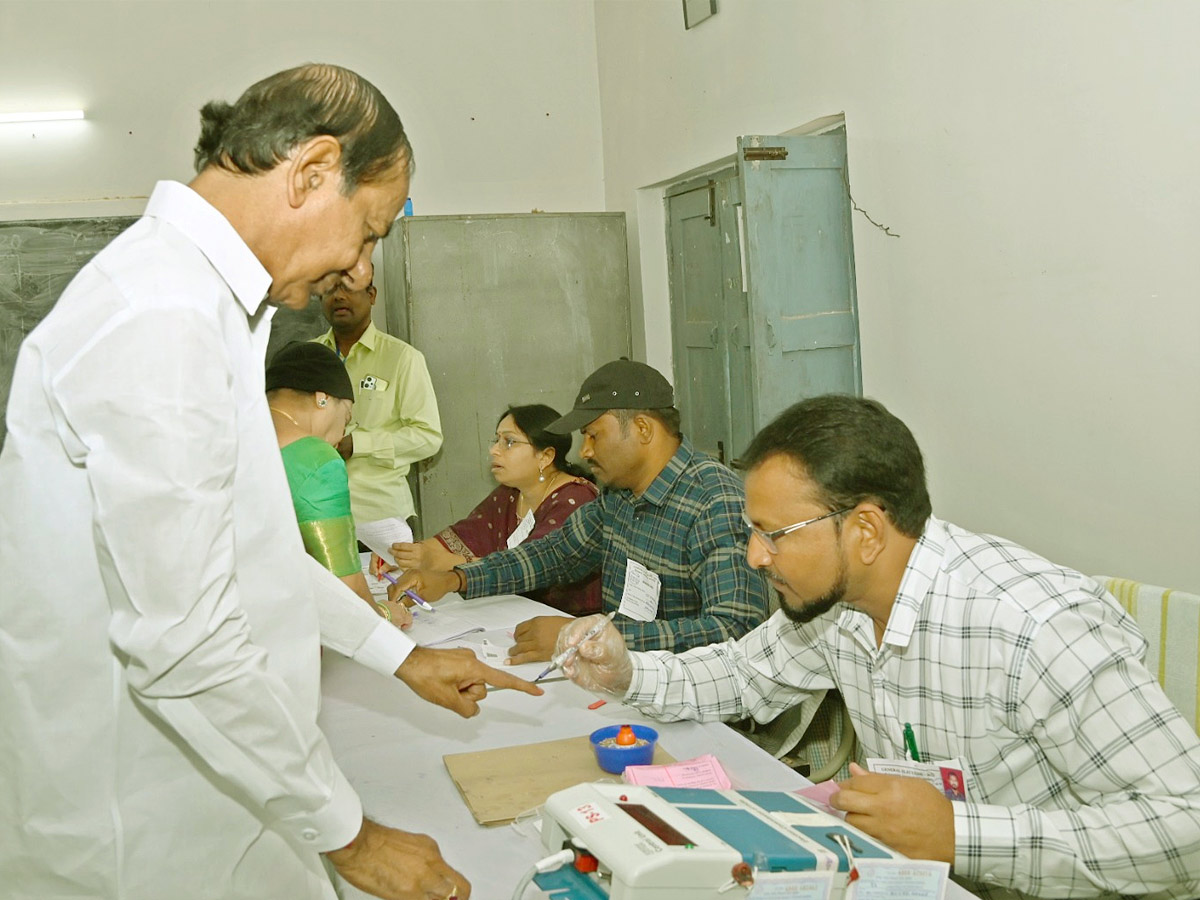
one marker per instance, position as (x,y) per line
(429,554)
(394,611)
(409,556)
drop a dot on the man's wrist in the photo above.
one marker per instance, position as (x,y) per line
(355,842)
(460,578)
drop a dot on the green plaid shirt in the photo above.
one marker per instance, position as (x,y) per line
(686,528)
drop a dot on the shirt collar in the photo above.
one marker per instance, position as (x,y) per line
(369,339)
(923,565)
(662,484)
(205,226)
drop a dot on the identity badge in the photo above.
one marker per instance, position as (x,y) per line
(639,600)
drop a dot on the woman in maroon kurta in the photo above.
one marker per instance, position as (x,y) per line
(538,490)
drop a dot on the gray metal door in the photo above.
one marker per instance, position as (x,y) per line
(800,269)
(508,309)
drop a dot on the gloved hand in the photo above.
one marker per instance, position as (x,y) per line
(603,662)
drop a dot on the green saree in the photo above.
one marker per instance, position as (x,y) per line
(321,496)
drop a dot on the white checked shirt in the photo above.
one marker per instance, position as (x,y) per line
(1084,779)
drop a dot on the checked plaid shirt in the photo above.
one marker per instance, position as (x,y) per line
(686,528)
(1084,780)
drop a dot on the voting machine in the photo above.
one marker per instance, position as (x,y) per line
(644,843)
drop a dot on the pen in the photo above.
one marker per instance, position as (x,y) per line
(416,598)
(910,741)
(569,654)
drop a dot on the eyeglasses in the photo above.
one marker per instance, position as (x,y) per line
(769,537)
(508,442)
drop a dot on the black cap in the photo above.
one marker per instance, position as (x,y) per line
(620,384)
(309,367)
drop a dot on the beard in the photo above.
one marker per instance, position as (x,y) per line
(814,608)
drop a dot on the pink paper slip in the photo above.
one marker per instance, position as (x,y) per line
(701,772)
(819,794)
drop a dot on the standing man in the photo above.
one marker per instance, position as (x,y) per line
(1025,677)
(158,706)
(395,421)
(666,535)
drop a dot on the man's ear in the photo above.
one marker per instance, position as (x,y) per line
(645,428)
(313,165)
(872,528)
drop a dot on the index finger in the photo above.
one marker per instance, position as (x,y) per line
(500,679)
(849,800)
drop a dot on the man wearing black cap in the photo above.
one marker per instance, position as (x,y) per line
(667,534)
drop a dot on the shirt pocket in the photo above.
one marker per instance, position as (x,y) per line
(373,409)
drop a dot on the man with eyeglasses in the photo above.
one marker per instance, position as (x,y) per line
(1080,778)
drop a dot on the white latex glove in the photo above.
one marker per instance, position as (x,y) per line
(603,663)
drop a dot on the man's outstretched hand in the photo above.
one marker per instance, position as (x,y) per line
(456,679)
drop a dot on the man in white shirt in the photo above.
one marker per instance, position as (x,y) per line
(159,674)
(1080,779)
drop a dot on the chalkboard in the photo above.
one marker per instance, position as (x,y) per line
(37,261)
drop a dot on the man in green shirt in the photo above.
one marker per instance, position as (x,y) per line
(396,422)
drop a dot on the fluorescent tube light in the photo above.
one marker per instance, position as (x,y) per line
(60,115)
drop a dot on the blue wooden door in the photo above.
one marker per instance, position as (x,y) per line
(799,265)
(698,326)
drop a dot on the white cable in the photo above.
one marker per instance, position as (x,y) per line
(549,864)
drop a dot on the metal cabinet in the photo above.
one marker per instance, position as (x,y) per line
(508,309)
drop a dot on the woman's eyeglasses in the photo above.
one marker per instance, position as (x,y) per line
(506,443)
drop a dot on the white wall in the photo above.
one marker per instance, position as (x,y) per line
(500,97)
(1036,322)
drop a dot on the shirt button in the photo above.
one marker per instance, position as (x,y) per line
(310,834)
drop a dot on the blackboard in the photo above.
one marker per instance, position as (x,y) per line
(37,261)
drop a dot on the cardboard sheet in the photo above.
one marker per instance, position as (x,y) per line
(498,785)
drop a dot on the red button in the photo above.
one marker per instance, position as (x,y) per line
(586,863)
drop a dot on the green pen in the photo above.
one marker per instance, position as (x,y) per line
(910,741)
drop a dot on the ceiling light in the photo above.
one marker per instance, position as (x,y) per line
(60,115)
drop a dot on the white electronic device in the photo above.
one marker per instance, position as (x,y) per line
(642,843)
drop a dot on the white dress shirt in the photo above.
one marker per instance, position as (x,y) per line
(1084,779)
(160,622)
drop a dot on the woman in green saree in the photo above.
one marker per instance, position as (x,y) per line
(311,397)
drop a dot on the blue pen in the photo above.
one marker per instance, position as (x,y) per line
(416,598)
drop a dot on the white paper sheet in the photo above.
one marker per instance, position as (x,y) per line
(382,533)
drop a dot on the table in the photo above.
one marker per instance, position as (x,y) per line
(390,744)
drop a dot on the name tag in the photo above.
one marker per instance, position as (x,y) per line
(524,527)
(948,775)
(639,600)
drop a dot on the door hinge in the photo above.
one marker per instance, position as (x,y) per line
(754,154)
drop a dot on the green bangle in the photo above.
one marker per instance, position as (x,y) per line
(384,611)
